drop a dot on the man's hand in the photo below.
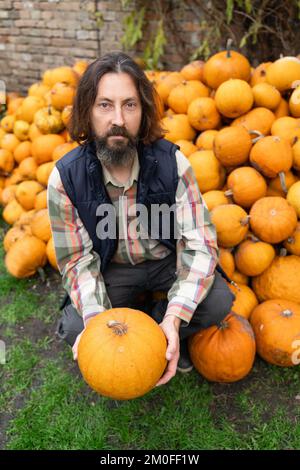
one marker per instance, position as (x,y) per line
(75,345)
(170,326)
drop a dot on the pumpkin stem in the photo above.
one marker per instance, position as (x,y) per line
(245,220)
(283,181)
(228,193)
(223,325)
(118,327)
(49,110)
(287,313)
(291,240)
(258,134)
(282,252)
(252,237)
(228,46)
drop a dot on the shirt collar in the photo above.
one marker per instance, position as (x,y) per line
(108,177)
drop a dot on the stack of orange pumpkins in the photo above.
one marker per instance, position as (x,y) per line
(240,129)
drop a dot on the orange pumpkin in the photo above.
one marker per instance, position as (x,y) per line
(183,94)
(245,186)
(178,127)
(214,198)
(283,73)
(61,95)
(12,212)
(205,140)
(26,193)
(252,257)
(259,74)
(232,146)
(203,114)
(40,225)
(272,219)
(280,280)
(276,325)
(41,200)
(259,119)
(225,65)
(226,261)
(22,151)
(224,353)
(60,74)
(121,353)
(208,171)
(231,222)
(187,147)
(234,98)
(287,128)
(14,234)
(271,155)
(193,70)
(43,147)
(7,161)
(282,109)
(50,251)
(293,197)
(245,300)
(292,244)
(25,257)
(266,95)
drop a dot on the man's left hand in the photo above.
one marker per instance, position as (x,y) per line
(170,326)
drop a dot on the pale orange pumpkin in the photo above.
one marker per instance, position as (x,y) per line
(121,353)
(22,151)
(43,147)
(276,325)
(9,193)
(178,128)
(48,120)
(25,257)
(12,212)
(29,107)
(208,171)
(40,225)
(26,193)
(259,119)
(43,172)
(7,161)
(167,83)
(232,146)
(182,95)
(252,256)
(245,186)
(41,200)
(28,168)
(14,234)
(283,73)
(231,222)
(60,74)
(9,142)
(266,95)
(272,219)
(234,98)
(203,114)
(224,353)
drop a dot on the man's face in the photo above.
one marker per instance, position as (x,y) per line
(117,111)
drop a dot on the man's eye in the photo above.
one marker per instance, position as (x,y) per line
(131,105)
(104,105)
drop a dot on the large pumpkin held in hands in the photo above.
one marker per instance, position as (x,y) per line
(224,353)
(121,353)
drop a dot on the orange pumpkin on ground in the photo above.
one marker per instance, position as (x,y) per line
(276,325)
(224,353)
(121,353)
(25,257)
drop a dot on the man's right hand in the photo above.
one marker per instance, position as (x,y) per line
(75,345)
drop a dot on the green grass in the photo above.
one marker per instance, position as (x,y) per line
(46,404)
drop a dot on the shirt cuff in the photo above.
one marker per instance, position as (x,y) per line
(182,308)
(90,312)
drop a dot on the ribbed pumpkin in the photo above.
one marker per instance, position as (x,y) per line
(253,256)
(271,155)
(266,95)
(26,193)
(224,353)
(232,146)
(178,127)
(183,94)
(21,130)
(231,222)
(214,198)
(280,280)
(234,98)
(203,114)
(208,171)
(246,185)
(259,119)
(25,257)
(121,353)
(50,251)
(40,225)
(292,244)
(205,140)
(283,73)
(272,219)
(276,325)
(293,197)
(225,65)
(43,147)
(245,300)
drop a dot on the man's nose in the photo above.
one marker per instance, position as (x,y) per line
(118,118)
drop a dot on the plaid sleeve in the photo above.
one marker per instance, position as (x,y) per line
(78,264)
(197,250)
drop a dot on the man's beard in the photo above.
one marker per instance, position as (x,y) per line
(120,153)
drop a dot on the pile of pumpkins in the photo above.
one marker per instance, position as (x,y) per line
(240,129)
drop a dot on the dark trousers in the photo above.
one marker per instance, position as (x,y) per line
(125,283)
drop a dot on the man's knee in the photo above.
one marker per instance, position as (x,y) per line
(69,325)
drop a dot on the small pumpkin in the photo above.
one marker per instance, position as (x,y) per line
(183,94)
(48,120)
(226,260)
(61,95)
(7,161)
(25,257)
(50,251)
(276,325)
(224,353)
(292,244)
(225,65)
(272,219)
(203,114)
(266,95)
(214,198)
(271,155)
(205,140)
(246,185)
(293,197)
(121,353)
(252,256)
(231,222)
(178,127)
(283,73)
(40,225)
(260,119)
(245,300)
(208,171)
(43,147)
(26,193)
(234,98)
(232,146)
(193,70)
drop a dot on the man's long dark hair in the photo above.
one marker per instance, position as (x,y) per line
(80,127)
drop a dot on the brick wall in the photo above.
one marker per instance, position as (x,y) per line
(36,35)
